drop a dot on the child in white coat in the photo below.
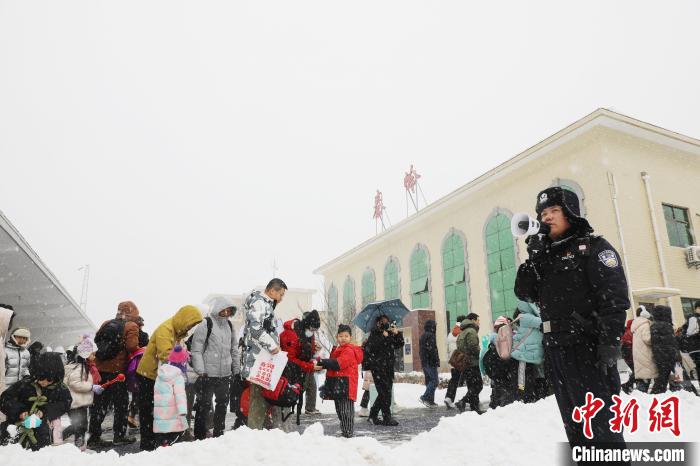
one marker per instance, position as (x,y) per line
(82,386)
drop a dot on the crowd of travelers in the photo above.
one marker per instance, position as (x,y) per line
(195,363)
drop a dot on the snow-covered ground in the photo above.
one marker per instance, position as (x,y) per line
(517,434)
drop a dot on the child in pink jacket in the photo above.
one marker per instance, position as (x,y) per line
(169,398)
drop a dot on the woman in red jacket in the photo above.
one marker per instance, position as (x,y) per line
(341,379)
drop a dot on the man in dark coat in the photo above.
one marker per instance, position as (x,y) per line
(664,346)
(430,360)
(379,358)
(578,281)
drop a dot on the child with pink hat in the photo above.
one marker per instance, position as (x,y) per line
(170,399)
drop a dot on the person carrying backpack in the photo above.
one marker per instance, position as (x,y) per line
(214,359)
(502,372)
(468,343)
(116,340)
(528,351)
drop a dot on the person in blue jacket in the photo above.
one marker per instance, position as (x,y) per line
(528,350)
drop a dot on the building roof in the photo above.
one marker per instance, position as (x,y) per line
(40,301)
(601,117)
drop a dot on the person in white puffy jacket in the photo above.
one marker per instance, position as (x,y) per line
(17,356)
(644,365)
(81,384)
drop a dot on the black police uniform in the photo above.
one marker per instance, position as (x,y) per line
(580,286)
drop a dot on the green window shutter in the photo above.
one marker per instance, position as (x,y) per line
(348,300)
(368,288)
(501,265)
(420,296)
(391,280)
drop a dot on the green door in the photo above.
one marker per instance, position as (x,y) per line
(391,280)
(420,277)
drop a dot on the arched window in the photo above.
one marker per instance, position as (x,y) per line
(332,299)
(420,278)
(369,290)
(392,290)
(454,272)
(500,254)
(348,300)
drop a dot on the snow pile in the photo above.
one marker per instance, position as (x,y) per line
(527,434)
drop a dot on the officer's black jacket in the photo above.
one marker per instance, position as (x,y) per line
(580,286)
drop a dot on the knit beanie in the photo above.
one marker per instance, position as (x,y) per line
(86,347)
(178,355)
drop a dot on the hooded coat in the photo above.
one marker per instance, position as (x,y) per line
(644,365)
(220,358)
(130,336)
(428,351)
(664,345)
(300,349)
(259,332)
(527,339)
(468,342)
(5,321)
(165,337)
(169,400)
(17,359)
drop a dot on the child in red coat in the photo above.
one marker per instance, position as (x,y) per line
(341,378)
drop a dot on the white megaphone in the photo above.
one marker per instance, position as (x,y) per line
(523,225)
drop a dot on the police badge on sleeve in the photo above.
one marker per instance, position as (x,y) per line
(608,258)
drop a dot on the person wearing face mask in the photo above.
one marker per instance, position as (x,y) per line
(299,342)
(578,282)
(380,357)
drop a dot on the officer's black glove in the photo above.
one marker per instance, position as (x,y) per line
(535,246)
(607,357)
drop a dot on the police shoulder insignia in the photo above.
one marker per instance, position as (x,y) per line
(608,258)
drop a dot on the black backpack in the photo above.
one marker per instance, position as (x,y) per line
(210,324)
(110,340)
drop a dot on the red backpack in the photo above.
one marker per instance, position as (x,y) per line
(285,394)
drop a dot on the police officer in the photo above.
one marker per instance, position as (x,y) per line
(577,280)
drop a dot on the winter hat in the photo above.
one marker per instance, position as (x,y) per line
(178,355)
(311,320)
(567,200)
(21,332)
(86,347)
(662,314)
(502,320)
(128,310)
(344,328)
(49,366)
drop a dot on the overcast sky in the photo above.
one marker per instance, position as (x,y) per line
(180,147)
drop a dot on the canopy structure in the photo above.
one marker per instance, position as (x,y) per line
(39,300)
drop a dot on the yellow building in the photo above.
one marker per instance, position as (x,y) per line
(639,187)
